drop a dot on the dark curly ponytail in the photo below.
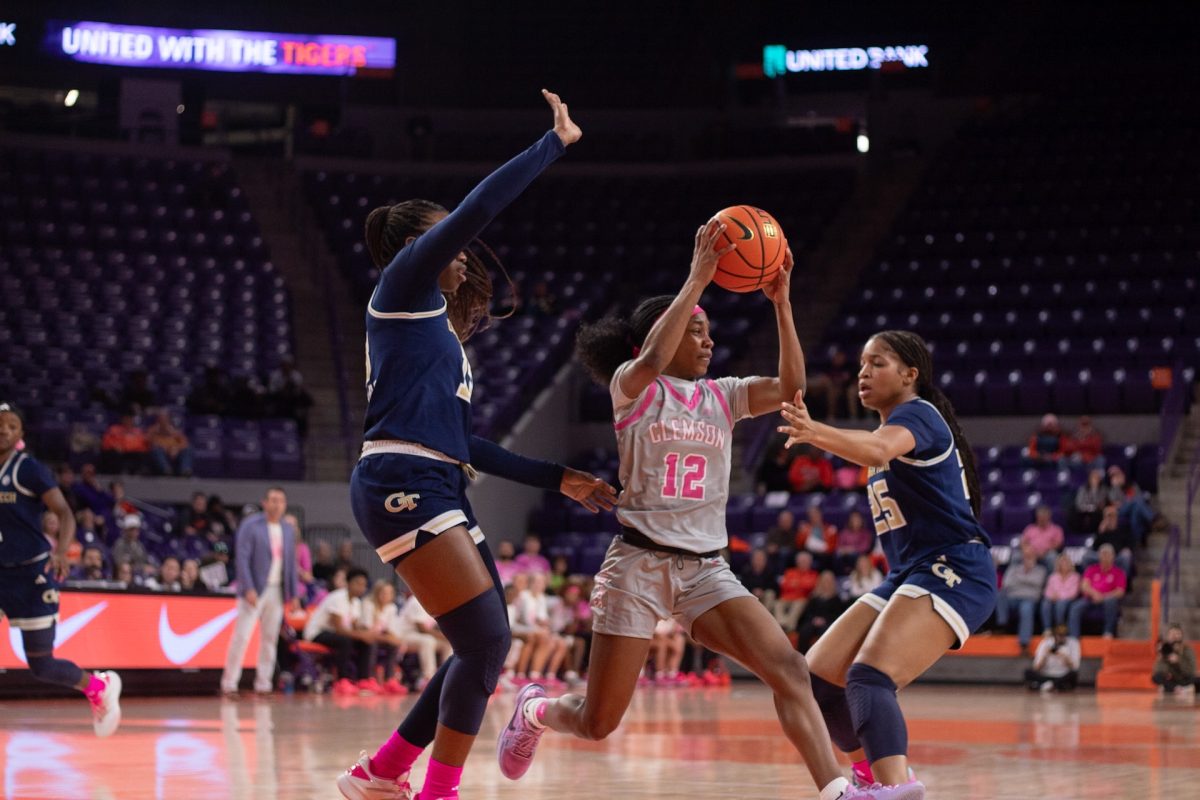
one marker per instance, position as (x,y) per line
(912,350)
(608,343)
(468,307)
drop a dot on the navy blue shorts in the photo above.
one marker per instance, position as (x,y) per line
(29,596)
(961,582)
(395,496)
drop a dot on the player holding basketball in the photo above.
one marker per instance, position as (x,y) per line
(924,495)
(674,434)
(408,490)
(31,572)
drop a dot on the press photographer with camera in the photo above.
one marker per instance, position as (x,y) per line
(1175,667)
(1056,663)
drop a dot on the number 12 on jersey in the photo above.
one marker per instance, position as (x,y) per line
(695,467)
(884,510)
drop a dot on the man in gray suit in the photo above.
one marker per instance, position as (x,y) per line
(265,554)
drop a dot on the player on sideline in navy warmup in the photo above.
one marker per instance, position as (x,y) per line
(408,490)
(924,495)
(31,572)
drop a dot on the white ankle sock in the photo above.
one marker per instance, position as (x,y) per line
(836,788)
(531,709)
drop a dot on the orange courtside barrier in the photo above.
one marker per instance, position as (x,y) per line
(123,630)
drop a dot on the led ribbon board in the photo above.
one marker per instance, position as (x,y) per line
(778,60)
(221,51)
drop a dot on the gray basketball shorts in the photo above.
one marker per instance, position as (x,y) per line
(636,588)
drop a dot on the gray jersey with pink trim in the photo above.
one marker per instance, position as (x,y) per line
(675,441)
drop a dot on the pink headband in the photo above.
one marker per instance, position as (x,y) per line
(697,310)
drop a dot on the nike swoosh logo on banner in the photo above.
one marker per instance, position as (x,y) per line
(182,648)
(65,629)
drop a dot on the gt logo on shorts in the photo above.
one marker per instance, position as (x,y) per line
(400,501)
(945,573)
(50,596)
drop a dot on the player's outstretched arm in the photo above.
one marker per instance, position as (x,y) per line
(664,338)
(584,488)
(429,253)
(865,448)
(765,394)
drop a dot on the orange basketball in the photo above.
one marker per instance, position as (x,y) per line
(760,244)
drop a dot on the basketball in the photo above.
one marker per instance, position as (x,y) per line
(760,249)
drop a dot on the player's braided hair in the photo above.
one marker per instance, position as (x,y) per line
(469,307)
(609,342)
(912,350)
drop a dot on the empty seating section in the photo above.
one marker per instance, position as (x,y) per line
(594,241)
(1050,257)
(112,264)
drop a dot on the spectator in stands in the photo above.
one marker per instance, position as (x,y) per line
(760,579)
(1048,444)
(506,565)
(666,652)
(323,562)
(853,541)
(221,521)
(379,618)
(124,447)
(137,396)
(213,395)
(1090,500)
(560,570)
(214,568)
(1132,504)
(65,477)
(197,514)
(1111,532)
(1056,663)
(1175,665)
(781,538)
(1104,585)
(336,623)
(89,528)
(836,390)
(1085,444)
(286,396)
(266,583)
(823,607)
(123,573)
(82,443)
(1062,589)
(91,493)
(169,450)
(773,473)
(810,471)
(190,545)
(129,547)
(864,578)
(91,566)
(533,609)
(1043,536)
(189,576)
(795,587)
(345,554)
(577,624)
(419,634)
(304,562)
(1023,583)
(816,536)
(167,579)
(531,559)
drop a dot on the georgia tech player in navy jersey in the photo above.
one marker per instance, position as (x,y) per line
(408,490)
(924,496)
(31,571)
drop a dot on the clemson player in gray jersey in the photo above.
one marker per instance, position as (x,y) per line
(674,432)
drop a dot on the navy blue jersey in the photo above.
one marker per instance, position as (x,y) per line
(23,481)
(418,378)
(920,501)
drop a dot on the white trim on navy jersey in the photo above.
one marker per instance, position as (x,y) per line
(405,314)
(916,462)
(16,483)
(941,607)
